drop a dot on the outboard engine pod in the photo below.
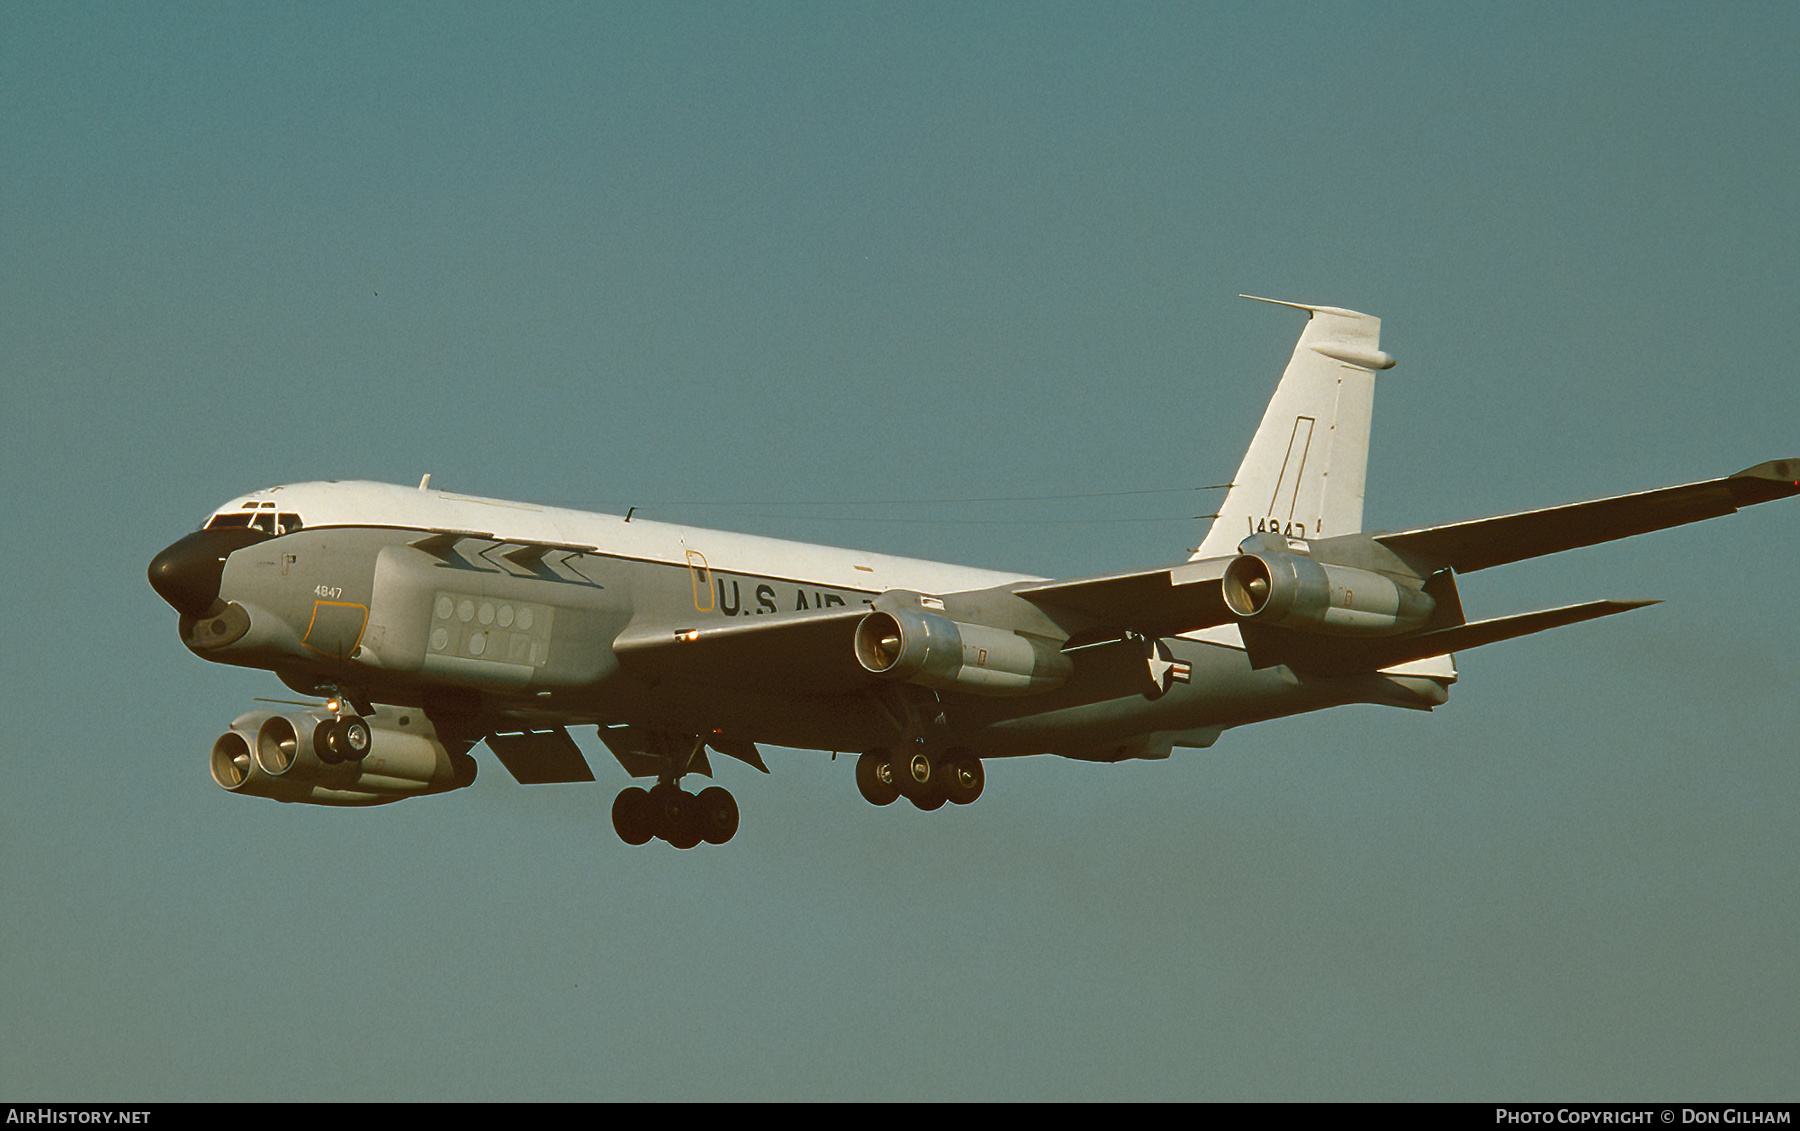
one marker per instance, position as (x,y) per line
(1294,591)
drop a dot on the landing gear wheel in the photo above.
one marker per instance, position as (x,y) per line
(688,835)
(716,815)
(964,779)
(323,744)
(912,773)
(673,808)
(633,816)
(341,740)
(875,778)
(353,738)
(928,798)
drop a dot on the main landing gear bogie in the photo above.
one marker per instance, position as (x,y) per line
(668,812)
(928,779)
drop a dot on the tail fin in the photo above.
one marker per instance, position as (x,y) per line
(1303,474)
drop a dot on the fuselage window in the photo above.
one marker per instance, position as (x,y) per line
(268,522)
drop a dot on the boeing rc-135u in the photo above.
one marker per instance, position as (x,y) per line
(432,621)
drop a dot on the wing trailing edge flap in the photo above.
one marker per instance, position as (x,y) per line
(646,753)
(1483,542)
(1340,656)
(1156,602)
(541,757)
(810,651)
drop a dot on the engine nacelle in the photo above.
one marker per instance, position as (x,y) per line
(1294,591)
(934,651)
(277,754)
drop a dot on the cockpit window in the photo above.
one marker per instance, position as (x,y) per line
(269,522)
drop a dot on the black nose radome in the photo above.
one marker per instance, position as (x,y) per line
(187,573)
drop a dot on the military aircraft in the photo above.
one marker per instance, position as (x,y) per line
(430,621)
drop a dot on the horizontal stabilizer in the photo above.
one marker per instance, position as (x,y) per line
(1483,542)
(1325,655)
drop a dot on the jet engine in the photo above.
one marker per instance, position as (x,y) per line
(934,651)
(299,755)
(1294,591)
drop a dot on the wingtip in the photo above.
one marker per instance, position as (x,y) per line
(1343,312)
(1787,470)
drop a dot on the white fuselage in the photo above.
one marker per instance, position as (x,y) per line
(361,503)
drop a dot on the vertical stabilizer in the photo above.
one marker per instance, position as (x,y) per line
(1303,474)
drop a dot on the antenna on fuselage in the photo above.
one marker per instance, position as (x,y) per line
(425,481)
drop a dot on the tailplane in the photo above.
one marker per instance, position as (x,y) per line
(1303,474)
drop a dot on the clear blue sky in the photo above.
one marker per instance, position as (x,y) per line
(674,254)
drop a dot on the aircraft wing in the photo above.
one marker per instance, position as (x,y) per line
(1156,602)
(1483,542)
(1328,655)
(810,651)
(813,651)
